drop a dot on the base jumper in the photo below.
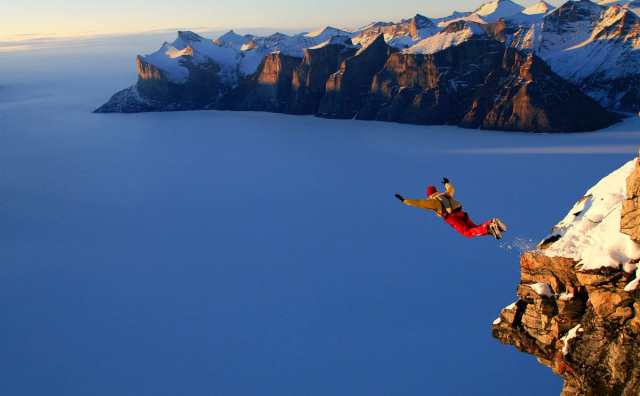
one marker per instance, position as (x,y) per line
(445,206)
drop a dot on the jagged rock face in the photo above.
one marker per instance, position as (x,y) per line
(418,23)
(154,91)
(601,357)
(126,101)
(202,88)
(604,42)
(475,82)
(346,88)
(583,323)
(630,221)
(505,90)
(267,90)
(567,17)
(310,77)
(416,88)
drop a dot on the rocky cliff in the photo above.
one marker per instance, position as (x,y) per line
(604,41)
(501,67)
(578,306)
(480,84)
(288,84)
(267,90)
(347,88)
(308,85)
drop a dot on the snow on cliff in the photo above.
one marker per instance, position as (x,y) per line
(233,53)
(170,58)
(497,9)
(455,34)
(583,39)
(590,233)
(541,7)
(233,40)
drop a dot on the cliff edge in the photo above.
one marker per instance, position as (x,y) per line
(578,305)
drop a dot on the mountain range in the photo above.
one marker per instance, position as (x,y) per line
(501,66)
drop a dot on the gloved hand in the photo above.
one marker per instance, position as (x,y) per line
(445,180)
(400,197)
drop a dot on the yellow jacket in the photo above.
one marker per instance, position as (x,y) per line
(440,203)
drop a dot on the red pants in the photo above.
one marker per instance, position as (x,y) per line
(462,223)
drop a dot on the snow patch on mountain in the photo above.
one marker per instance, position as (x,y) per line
(326,33)
(455,16)
(171,59)
(454,35)
(541,7)
(498,9)
(166,60)
(236,55)
(336,40)
(592,41)
(401,35)
(233,40)
(590,232)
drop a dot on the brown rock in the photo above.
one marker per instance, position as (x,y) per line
(558,272)
(606,302)
(269,89)
(480,84)
(630,220)
(604,357)
(310,77)
(346,89)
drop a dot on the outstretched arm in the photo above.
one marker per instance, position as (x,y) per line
(432,204)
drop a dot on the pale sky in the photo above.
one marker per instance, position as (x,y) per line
(20,18)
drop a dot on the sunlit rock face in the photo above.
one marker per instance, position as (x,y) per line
(310,77)
(630,220)
(267,90)
(480,84)
(347,88)
(463,71)
(580,315)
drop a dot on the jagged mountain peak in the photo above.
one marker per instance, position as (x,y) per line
(454,34)
(187,35)
(375,25)
(342,40)
(230,35)
(593,46)
(376,42)
(498,9)
(233,39)
(327,32)
(458,26)
(541,7)
(422,20)
(571,7)
(278,36)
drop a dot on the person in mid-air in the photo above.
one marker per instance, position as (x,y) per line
(445,206)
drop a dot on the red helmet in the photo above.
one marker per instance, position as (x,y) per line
(431,190)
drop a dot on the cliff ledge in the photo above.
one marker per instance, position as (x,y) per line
(578,305)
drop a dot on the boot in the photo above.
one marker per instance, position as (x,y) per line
(501,226)
(494,230)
